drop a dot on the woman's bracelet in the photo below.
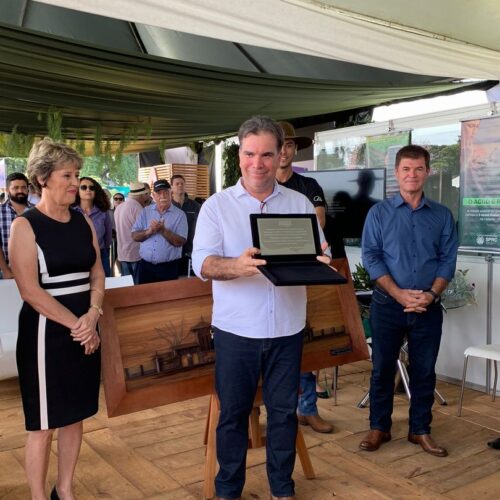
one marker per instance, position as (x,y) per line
(97,291)
(98,308)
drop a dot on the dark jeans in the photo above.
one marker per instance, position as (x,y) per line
(308,399)
(184,266)
(105,262)
(390,325)
(151,273)
(240,362)
(129,268)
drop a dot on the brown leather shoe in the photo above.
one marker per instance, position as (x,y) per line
(374,439)
(316,422)
(428,444)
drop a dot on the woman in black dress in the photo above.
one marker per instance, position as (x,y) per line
(56,265)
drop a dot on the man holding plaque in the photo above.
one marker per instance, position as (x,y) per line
(409,248)
(257,327)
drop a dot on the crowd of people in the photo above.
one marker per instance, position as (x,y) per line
(58,250)
(141,235)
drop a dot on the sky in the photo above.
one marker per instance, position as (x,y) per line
(431,105)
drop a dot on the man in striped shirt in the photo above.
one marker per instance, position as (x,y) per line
(16,204)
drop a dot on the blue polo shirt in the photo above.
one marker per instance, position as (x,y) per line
(156,249)
(413,246)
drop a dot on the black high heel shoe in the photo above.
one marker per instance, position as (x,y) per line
(53,494)
(495,444)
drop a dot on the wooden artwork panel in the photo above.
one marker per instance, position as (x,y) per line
(158,349)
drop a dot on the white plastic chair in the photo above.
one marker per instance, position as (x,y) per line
(490,352)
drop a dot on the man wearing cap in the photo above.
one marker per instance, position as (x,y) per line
(307,409)
(125,214)
(161,229)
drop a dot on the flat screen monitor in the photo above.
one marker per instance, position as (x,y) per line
(349,195)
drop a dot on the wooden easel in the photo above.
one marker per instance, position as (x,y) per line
(255,440)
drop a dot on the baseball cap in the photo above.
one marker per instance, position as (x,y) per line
(161,184)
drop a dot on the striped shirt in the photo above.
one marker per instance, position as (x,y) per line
(7,216)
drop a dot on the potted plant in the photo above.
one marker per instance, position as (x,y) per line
(363,286)
(459,291)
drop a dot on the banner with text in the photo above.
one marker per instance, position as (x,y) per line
(479,221)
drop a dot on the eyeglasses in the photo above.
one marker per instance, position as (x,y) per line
(118,198)
(84,187)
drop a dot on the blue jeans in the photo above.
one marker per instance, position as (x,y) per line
(129,268)
(240,362)
(105,262)
(308,398)
(390,325)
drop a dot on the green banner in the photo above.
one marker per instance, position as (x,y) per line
(479,220)
(381,151)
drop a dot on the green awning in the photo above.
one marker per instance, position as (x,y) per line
(182,102)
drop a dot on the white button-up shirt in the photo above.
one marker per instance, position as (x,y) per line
(248,306)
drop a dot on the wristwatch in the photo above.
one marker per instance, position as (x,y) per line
(434,294)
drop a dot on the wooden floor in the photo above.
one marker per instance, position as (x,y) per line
(159,453)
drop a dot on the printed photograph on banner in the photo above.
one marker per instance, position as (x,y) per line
(479,220)
(381,152)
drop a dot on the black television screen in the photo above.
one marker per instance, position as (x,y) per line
(349,195)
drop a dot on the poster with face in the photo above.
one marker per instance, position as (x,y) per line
(479,219)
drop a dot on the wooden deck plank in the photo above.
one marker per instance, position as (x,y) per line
(12,477)
(485,488)
(144,475)
(159,453)
(462,472)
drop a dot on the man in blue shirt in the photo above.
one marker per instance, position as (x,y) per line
(409,248)
(162,229)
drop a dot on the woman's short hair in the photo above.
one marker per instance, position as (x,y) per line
(45,157)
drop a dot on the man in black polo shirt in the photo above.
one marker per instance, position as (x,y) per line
(307,410)
(191,208)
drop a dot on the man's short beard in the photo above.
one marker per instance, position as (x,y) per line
(20,198)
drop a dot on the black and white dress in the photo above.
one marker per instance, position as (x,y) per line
(59,383)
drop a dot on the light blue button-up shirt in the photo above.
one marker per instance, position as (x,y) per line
(156,249)
(414,246)
(248,306)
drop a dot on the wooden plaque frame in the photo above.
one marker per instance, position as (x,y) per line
(133,312)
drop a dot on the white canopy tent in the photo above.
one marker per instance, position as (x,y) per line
(164,72)
(452,38)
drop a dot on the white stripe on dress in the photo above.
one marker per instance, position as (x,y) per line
(41,262)
(42,381)
(64,277)
(46,278)
(55,292)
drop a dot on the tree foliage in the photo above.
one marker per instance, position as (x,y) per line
(117,174)
(446,158)
(111,173)
(231,161)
